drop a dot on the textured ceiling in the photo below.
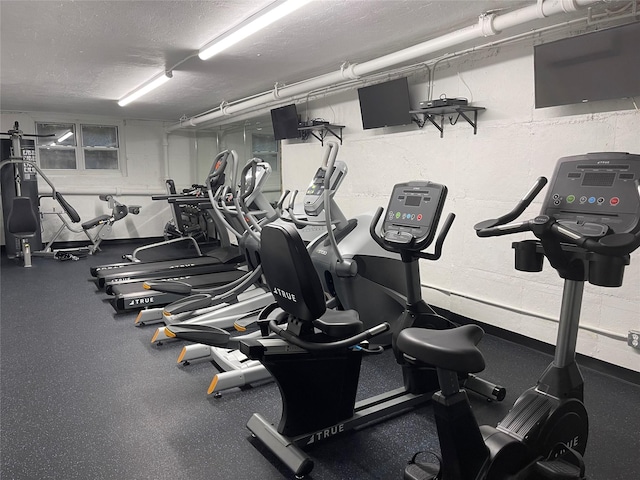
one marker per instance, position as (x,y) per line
(82,56)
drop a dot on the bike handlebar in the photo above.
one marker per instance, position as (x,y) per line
(427,256)
(519,208)
(544,226)
(616,244)
(336,344)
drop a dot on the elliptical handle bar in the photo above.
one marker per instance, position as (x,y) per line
(225,191)
(328,161)
(283,197)
(218,203)
(220,163)
(329,157)
(253,166)
(517,211)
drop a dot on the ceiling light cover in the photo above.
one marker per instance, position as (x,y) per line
(146,88)
(262,20)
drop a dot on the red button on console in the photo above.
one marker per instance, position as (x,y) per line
(614,201)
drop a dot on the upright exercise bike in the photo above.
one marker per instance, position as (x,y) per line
(588,226)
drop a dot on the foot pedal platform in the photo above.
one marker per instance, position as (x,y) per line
(417,470)
(421,472)
(563,463)
(559,469)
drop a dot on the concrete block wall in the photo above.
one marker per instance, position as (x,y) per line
(486,174)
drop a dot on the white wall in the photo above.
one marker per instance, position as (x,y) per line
(486,174)
(207,149)
(142,148)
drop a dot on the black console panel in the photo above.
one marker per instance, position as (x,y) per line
(600,188)
(413,212)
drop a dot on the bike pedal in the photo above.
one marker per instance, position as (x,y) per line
(417,470)
(559,469)
(421,471)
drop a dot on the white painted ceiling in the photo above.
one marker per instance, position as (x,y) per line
(80,57)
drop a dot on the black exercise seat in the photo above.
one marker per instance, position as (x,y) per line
(95,222)
(295,285)
(22,223)
(339,323)
(452,349)
(119,211)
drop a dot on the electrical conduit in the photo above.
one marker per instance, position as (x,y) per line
(487,25)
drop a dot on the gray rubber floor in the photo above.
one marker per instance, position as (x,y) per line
(84,395)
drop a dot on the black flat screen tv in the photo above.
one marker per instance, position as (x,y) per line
(385,104)
(602,65)
(285,122)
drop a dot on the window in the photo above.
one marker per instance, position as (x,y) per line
(265,147)
(58,149)
(97,147)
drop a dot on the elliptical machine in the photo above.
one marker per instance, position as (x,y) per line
(588,226)
(217,345)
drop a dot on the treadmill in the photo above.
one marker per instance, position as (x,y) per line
(218,260)
(133,295)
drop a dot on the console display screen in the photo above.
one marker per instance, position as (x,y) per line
(597,179)
(413,200)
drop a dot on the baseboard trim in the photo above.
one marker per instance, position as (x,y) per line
(586,361)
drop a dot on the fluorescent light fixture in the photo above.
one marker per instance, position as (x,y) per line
(65,136)
(263,19)
(146,88)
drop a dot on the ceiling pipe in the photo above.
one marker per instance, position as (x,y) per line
(487,25)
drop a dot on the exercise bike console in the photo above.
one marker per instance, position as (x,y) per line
(413,214)
(595,190)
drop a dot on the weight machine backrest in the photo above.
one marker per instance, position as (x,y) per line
(22,222)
